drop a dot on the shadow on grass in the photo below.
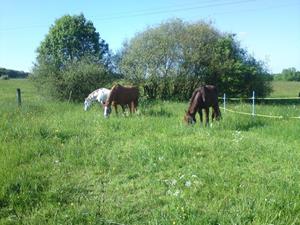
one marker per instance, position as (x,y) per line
(246,125)
(156,112)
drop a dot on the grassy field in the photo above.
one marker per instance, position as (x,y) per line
(61,165)
(285,89)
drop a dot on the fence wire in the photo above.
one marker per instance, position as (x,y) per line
(253,107)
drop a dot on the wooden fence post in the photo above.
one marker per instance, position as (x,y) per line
(19,96)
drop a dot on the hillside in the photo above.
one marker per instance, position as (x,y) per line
(285,89)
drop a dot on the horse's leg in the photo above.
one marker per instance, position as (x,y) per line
(135,105)
(132,107)
(207,116)
(213,114)
(201,116)
(116,109)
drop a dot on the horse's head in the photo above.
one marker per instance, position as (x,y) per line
(188,118)
(86,104)
(107,110)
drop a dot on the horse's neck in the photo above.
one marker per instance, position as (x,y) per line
(194,103)
(192,109)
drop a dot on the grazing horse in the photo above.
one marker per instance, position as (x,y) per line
(99,95)
(203,98)
(124,96)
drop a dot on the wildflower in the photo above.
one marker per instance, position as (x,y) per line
(173,182)
(176,193)
(169,192)
(188,183)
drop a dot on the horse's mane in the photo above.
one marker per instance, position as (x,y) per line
(193,95)
(195,92)
(111,94)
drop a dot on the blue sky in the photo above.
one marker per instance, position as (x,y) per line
(268,29)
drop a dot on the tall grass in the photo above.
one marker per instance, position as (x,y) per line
(61,165)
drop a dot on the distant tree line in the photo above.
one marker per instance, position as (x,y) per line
(290,74)
(167,61)
(7,73)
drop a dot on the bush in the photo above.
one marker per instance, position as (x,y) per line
(75,82)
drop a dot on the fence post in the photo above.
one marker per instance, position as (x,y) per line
(224,102)
(19,96)
(253,103)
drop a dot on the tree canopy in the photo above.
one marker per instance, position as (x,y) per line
(174,58)
(70,39)
(71,42)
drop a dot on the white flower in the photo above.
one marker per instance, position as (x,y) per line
(173,182)
(188,183)
(176,193)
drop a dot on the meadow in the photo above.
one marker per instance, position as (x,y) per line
(61,165)
(285,89)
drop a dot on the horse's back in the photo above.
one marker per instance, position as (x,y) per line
(124,95)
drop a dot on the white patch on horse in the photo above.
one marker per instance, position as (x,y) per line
(99,95)
(107,111)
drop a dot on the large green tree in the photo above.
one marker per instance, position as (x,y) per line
(70,42)
(174,58)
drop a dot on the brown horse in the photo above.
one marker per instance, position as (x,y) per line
(203,98)
(124,96)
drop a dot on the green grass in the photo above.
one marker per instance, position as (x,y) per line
(285,89)
(61,165)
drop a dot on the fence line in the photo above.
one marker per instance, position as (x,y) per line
(283,98)
(253,107)
(261,115)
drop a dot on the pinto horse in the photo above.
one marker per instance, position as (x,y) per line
(124,96)
(203,98)
(99,95)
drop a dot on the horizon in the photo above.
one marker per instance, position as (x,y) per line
(268,31)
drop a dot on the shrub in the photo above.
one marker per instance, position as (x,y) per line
(74,82)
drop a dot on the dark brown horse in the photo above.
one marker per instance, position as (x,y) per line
(203,98)
(123,96)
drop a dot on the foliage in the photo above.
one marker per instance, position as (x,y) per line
(71,57)
(75,82)
(61,165)
(12,73)
(290,74)
(70,39)
(172,59)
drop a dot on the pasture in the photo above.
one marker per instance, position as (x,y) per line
(285,89)
(61,165)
